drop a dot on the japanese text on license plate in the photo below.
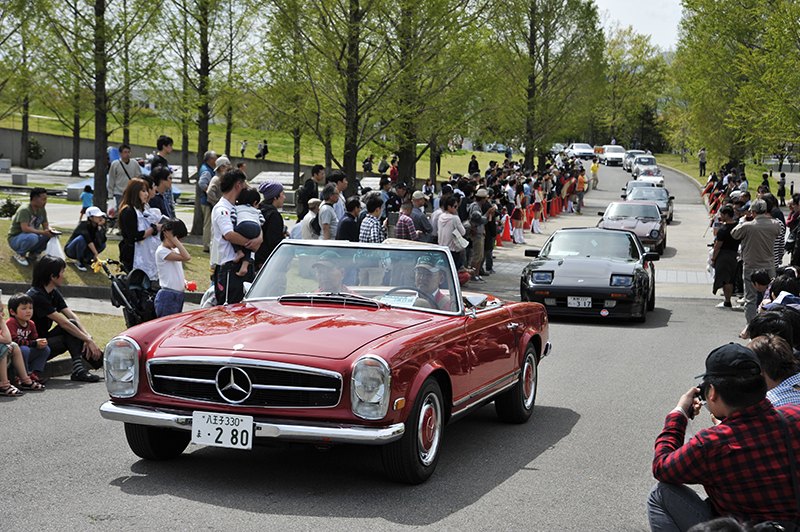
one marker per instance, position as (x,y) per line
(222,430)
(580,302)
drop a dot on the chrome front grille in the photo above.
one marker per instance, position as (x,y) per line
(271,384)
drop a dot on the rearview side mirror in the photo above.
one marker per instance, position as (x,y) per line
(651,256)
(672,197)
(532,252)
(623,196)
(601,213)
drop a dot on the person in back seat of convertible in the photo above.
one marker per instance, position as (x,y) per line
(69,334)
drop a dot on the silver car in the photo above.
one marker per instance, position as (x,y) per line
(659,196)
(612,155)
(627,160)
(642,163)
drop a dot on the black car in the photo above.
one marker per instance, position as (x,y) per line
(591,272)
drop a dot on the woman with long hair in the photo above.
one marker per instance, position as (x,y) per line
(139,227)
(518,216)
(538,206)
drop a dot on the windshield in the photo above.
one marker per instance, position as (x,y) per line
(645,161)
(649,193)
(632,210)
(605,245)
(401,277)
(639,184)
(615,149)
(583,147)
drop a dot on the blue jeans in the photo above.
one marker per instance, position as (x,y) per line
(580,200)
(34,357)
(676,507)
(168,302)
(25,243)
(78,249)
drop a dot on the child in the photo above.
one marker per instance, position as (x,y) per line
(247,221)
(35,351)
(7,347)
(169,256)
(87,197)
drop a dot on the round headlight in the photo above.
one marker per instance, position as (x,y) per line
(121,366)
(654,233)
(370,387)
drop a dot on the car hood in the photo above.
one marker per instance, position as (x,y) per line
(640,227)
(591,271)
(269,326)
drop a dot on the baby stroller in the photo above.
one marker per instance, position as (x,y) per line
(132,292)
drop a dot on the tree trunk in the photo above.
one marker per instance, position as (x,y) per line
(185,152)
(76,134)
(296,136)
(434,149)
(100,107)
(228,130)
(23,156)
(204,107)
(328,150)
(531,142)
(352,85)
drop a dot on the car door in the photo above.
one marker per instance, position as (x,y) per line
(492,339)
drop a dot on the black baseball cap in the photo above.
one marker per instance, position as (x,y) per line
(732,360)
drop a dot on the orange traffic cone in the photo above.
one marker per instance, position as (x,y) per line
(527,223)
(554,207)
(499,241)
(507,232)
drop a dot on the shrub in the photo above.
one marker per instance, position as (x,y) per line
(9,208)
(35,149)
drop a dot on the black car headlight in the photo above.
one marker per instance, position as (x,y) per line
(655,233)
(540,278)
(121,367)
(621,280)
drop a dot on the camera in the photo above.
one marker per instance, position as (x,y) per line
(702,387)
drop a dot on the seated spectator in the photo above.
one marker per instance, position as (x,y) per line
(30,229)
(779,320)
(88,240)
(23,333)
(779,367)
(9,348)
(69,334)
(740,462)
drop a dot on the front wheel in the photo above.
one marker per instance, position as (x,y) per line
(651,301)
(155,443)
(413,458)
(516,404)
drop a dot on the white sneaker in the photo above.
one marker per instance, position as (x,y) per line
(80,266)
(19,258)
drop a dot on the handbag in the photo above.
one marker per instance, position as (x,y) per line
(459,242)
(54,248)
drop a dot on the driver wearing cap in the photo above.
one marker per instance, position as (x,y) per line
(329,269)
(743,462)
(428,277)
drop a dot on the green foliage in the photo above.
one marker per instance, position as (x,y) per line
(35,149)
(8,208)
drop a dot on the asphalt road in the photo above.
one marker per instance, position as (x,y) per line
(581,463)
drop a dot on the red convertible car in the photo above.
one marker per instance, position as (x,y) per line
(334,343)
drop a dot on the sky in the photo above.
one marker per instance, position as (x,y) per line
(657,18)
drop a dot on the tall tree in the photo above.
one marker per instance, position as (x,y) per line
(552,51)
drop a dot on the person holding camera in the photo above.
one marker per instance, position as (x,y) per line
(743,462)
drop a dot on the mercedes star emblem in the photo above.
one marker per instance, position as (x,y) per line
(233,384)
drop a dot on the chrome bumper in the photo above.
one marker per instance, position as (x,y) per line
(316,433)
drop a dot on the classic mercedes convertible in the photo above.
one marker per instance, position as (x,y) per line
(335,343)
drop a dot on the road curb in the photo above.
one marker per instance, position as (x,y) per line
(88,292)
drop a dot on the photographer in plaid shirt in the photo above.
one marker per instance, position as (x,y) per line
(742,462)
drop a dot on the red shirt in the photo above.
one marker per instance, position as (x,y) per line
(742,463)
(22,335)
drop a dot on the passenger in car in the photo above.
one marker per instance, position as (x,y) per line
(329,269)
(429,276)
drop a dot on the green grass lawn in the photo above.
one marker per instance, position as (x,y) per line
(692,168)
(195,270)
(103,327)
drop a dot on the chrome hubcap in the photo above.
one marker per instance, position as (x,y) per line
(529,381)
(430,429)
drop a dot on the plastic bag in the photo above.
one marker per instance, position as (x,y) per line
(54,248)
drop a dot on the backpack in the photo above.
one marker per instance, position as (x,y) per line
(315,227)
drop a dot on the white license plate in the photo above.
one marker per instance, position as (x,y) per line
(579,302)
(222,430)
